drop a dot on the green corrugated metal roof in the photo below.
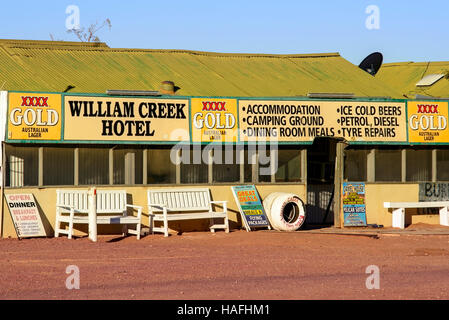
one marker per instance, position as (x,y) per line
(90,67)
(403,76)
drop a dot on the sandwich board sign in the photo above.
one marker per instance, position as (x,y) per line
(250,207)
(25,215)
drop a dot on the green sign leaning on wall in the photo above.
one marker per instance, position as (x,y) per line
(250,207)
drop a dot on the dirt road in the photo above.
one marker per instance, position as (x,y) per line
(238,265)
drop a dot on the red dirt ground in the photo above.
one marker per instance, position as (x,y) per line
(239,265)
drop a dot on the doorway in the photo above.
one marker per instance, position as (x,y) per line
(321,157)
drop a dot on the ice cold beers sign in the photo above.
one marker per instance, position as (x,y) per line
(292,121)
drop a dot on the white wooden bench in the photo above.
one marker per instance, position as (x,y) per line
(112,208)
(399,211)
(196,201)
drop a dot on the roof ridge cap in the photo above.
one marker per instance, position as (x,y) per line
(76,45)
(413,63)
(228,54)
(51,43)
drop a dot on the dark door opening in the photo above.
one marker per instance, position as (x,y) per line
(320,181)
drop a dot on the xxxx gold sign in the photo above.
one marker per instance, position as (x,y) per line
(34,116)
(214,120)
(428,121)
(290,121)
(126,119)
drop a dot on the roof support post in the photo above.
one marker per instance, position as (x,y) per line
(111,166)
(145,166)
(371,166)
(434,165)
(403,165)
(338,180)
(40,170)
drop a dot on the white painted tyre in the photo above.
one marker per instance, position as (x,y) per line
(267,204)
(287,212)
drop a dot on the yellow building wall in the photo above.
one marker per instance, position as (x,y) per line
(46,202)
(377,193)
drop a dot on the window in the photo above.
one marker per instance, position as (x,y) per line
(58,166)
(355,164)
(127,166)
(419,165)
(193,167)
(22,165)
(388,165)
(443,165)
(264,159)
(160,168)
(90,165)
(226,166)
(248,166)
(289,165)
(93,166)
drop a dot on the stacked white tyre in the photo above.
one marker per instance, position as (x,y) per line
(285,211)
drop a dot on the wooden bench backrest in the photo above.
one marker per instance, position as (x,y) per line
(113,201)
(75,198)
(179,199)
(108,201)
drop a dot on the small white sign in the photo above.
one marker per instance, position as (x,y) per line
(25,215)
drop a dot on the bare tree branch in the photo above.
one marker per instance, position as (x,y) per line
(90,34)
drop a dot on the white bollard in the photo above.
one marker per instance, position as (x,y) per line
(399,218)
(444,216)
(92,199)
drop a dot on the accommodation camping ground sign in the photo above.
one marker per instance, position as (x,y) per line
(250,207)
(25,215)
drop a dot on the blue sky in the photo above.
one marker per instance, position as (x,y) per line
(408,30)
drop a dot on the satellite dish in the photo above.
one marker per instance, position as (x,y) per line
(372,63)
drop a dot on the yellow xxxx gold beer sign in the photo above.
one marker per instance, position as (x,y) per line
(34,116)
(428,121)
(214,120)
